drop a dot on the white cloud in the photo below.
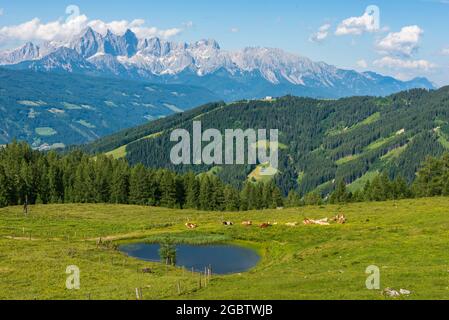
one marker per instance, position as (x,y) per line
(445,51)
(235,30)
(362,64)
(358,25)
(321,34)
(397,63)
(403,43)
(137,26)
(60,30)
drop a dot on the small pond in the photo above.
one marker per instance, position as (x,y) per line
(223,259)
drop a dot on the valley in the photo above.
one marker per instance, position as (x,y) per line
(52,111)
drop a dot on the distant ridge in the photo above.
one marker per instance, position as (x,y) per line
(245,74)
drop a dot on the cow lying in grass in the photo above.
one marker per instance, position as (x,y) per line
(321,222)
(228,223)
(247,223)
(191,225)
(340,218)
(265,225)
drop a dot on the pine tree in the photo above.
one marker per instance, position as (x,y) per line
(367,195)
(217,194)
(231,199)
(312,199)
(245,196)
(340,195)
(293,199)
(120,183)
(168,190)
(267,191)
(192,191)
(277,200)
(139,192)
(205,196)
(400,189)
(43,195)
(4,188)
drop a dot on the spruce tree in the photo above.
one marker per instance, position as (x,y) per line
(139,192)
(231,198)
(168,190)
(293,199)
(277,200)
(120,183)
(192,191)
(205,196)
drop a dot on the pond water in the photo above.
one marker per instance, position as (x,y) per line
(223,259)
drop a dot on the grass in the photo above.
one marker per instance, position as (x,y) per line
(442,138)
(371,119)
(360,182)
(407,240)
(265,144)
(380,142)
(32,103)
(71,106)
(120,152)
(394,154)
(347,159)
(263,173)
(45,131)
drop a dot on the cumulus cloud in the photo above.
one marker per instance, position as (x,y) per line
(403,43)
(235,30)
(397,63)
(137,26)
(62,30)
(362,64)
(321,34)
(368,22)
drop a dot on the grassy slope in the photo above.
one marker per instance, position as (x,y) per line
(407,240)
(120,152)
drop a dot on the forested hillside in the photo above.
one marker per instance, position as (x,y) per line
(51,110)
(321,141)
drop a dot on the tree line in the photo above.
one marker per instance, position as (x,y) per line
(28,176)
(432,179)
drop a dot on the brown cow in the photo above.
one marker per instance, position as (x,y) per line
(340,218)
(265,225)
(191,225)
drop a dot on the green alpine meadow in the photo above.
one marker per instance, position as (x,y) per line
(212,159)
(406,239)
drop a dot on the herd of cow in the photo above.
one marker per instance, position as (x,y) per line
(340,219)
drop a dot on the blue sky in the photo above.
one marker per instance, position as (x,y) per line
(412,38)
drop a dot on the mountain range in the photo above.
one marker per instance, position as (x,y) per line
(249,73)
